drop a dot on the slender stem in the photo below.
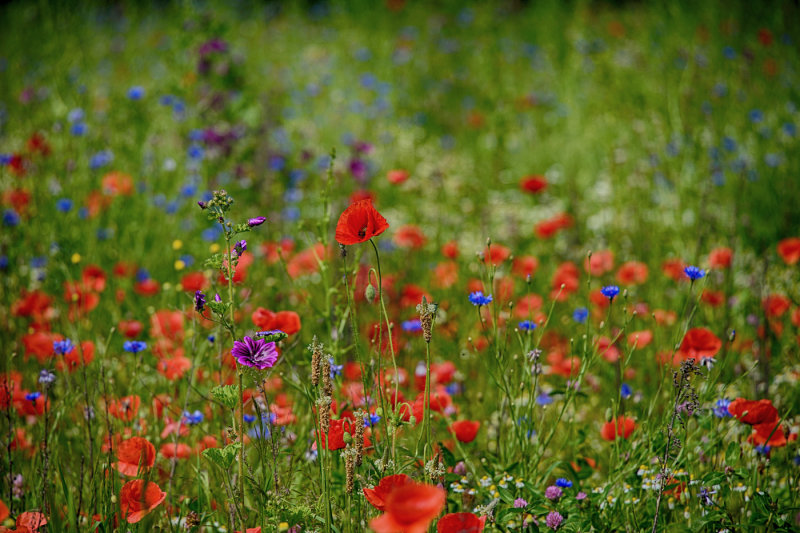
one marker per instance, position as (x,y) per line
(391,345)
(428,446)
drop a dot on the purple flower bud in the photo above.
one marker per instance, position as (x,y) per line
(253,222)
(202,204)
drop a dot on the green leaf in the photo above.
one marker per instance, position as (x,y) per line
(222,457)
(227,395)
(732,453)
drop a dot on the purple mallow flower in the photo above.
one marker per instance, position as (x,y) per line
(240,247)
(199,301)
(255,353)
(253,222)
(519,503)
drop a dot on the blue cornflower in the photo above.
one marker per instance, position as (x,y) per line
(563,483)
(10,218)
(192,419)
(64,205)
(46,377)
(580,315)
(721,409)
(142,274)
(729,52)
(412,326)
(764,450)
(729,144)
(694,273)
(371,420)
(211,339)
(527,325)
(101,159)
(75,115)
(196,151)
(610,291)
(62,347)
(756,116)
(336,370)
(625,391)
(134,346)
(544,399)
(479,299)
(249,419)
(136,92)
(32,396)
(79,129)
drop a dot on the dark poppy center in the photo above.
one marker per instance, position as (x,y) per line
(362,232)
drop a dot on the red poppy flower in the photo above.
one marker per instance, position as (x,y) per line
(410,236)
(713,298)
(37,143)
(397,176)
(359,223)
(599,263)
(130,328)
(565,281)
(632,273)
(450,250)
(133,452)
(147,287)
(175,367)
(117,183)
(776,305)
(640,338)
(445,274)
(769,433)
(720,258)
(334,439)
(378,494)
(286,321)
(699,343)
(624,428)
(172,450)
(789,250)
(194,281)
(167,324)
(765,37)
(33,304)
(410,508)
(673,268)
(496,254)
(548,228)
(4,512)
(138,497)
(306,262)
(460,523)
(525,266)
(126,408)
(29,522)
(465,430)
(533,184)
(753,412)
(79,356)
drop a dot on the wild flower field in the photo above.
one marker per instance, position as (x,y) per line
(400,266)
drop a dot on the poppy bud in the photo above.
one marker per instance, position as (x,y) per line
(369,293)
(347,438)
(412,420)
(379,411)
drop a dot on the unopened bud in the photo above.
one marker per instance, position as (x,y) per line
(369,293)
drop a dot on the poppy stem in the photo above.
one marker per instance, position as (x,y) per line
(391,345)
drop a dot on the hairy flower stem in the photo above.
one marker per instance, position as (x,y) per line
(359,355)
(428,445)
(391,345)
(232,329)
